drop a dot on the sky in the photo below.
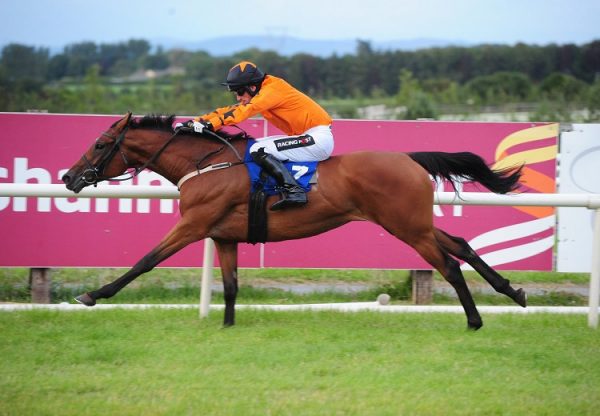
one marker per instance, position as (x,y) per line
(56,23)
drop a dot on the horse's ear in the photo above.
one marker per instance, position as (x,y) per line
(124,121)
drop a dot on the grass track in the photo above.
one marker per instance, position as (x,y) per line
(182,286)
(166,362)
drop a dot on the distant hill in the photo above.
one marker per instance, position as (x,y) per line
(283,45)
(287,45)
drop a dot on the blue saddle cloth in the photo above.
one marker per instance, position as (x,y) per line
(302,171)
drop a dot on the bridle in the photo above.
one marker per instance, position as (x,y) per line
(95,174)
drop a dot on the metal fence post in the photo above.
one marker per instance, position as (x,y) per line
(207,277)
(595,274)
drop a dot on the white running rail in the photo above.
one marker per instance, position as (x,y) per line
(590,201)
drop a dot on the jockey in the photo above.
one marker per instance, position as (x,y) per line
(306,124)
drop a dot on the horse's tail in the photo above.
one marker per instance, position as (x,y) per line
(469,166)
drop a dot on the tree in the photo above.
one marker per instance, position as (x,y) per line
(58,67)
(419,106)
(562,86)
(159,60)
(22,62)
(305,72)
(337,78)
(500,87)
(137,48)
(417,102)
(367,69)
(409,87)
(109,54)
(201,66)
(81,56)
(94,97)
(590,61)
(593,102)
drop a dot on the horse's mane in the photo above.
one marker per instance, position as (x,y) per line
(165,123)
(154,122)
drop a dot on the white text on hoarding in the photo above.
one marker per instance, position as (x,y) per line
(22,173)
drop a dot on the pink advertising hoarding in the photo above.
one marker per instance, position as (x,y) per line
(71,232)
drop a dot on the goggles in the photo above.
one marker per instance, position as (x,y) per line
(239,90)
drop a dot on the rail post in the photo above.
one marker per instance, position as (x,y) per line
(207,277)
(422,286)
(40,283)
(595,274)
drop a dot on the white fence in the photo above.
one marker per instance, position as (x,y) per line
(590,201)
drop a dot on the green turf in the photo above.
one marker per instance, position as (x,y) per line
(192,275)
(167,362)
(182,286)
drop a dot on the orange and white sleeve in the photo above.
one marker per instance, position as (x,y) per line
(217,117)
(237,113)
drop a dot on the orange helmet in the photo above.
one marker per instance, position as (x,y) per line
(243,74)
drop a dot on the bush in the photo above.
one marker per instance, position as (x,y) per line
(562,86)
(420,105)
(592,102)
(553,111)
(500,87)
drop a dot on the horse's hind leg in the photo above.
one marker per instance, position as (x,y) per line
(449,268)
(459,248)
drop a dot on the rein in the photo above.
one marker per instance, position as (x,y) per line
(217,166)
(226,142)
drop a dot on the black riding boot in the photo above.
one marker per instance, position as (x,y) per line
(292,194)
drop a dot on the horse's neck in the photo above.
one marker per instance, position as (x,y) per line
(184,153)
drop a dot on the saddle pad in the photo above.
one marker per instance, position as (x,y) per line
(302,171)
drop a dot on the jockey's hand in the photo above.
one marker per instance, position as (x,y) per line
(189,124)
(201,126)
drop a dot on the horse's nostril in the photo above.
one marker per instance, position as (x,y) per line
(66,179)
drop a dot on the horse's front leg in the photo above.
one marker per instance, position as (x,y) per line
(179,237)
(227,252)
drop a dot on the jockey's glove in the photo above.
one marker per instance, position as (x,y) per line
(201,126)
(197,126)
(185,125)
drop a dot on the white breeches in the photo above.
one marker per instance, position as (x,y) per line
(314,144)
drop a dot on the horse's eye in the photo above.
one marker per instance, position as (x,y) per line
(100,146)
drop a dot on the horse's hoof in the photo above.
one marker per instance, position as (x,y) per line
(474,326)
(521,298)
(85,299)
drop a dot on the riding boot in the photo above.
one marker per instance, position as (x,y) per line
(292,194)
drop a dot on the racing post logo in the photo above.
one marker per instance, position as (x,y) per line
(294,142)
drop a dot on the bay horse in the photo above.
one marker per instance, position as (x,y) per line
(391,189)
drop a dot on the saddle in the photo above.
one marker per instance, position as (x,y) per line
(262,185)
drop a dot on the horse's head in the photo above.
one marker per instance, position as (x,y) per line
(99,162)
